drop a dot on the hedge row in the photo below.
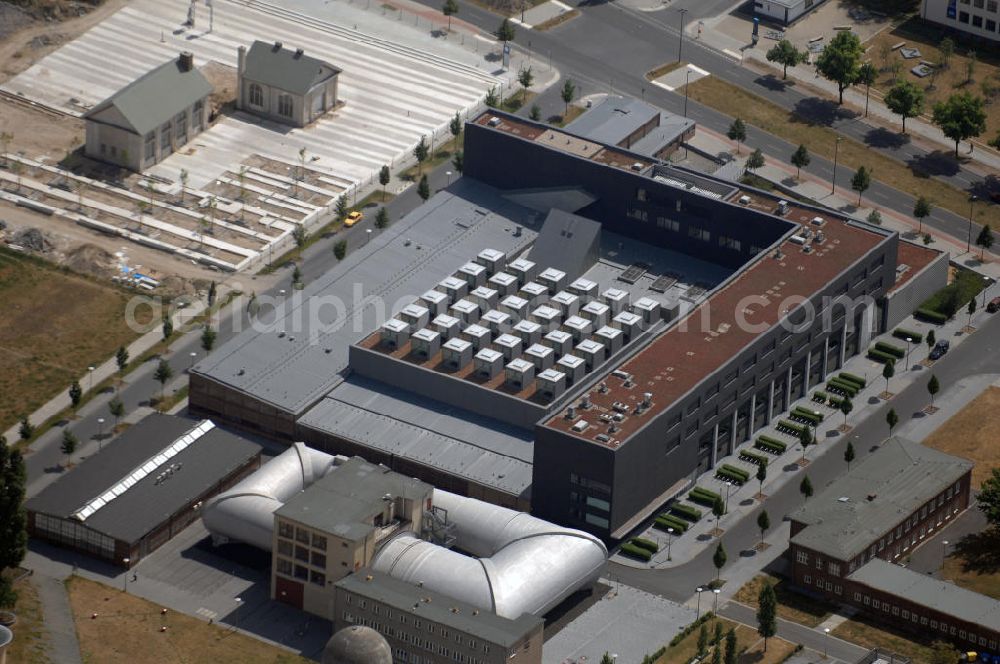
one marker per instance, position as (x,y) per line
(852,378)
(753,457)
(880,356)
(898,352)
(835,401)
(665,521)
(930,316)
(686,512)
(820,396)
(789,426)
(703,496)
(903,333)
(634,551)
(733,473)
(772,445)
(842,387)
(680,636)
(644,543)
(811,415)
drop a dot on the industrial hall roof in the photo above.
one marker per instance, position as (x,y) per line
(154,98)
(149,473)
(285,69)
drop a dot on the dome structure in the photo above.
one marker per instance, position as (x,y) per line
(357,645)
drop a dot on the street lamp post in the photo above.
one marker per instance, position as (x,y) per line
(125,577)
(368,235)
(90,375)
(239,605)
(680,46)
(716,592)
(100,432)
(826,641)
(670,537)
(909,340)
(448,173)
(729,485)
(968,243)
(193,355)
(944,552)
(986,287)
(698,610)
(687,81)
(836,153)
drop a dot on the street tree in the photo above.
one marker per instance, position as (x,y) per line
(921,210)
(26,429)
(718,509)
(800,159)
(805,439)
(526,78)
(703,640)
(933,387)
(162,374)
(861,181)
(806,488)
(458,160)
(536,112)
(491,100)
(449,9)
(13,518)
(5,138)
(384,177)
(121,359)
(785,54)
(892,419)
(607,659)
(989,498)
(455,125)
(717,633)
(947,49)
(761,476)
(567,93)
(737,132)
(342,208)
(905,100)
(841,60)
(296,276)
(931,339)
(730,657)
(960,117)
(117,409)
(68,446)
(755,160)
(763,523)
(888,371)
(423,188)
(505,32)
(971,309)
(381,218)
(340,249)
(717,651)
(167,326)
(719,559)
(213,290)
(299,235)
(767,613)
(421,152)
(75,394)
(849,454)
(874,218)
(846,406)
(208,337)
(984,240)
(867,75)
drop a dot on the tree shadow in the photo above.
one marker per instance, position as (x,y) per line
(57,468)
(980,552)
(825,112)
(939,162)
(884,138)
(772,83)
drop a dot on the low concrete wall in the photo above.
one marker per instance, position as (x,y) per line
(902,303)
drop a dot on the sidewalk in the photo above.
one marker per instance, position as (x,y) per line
(742,500)
(987,159)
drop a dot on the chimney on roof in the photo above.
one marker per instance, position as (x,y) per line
(186,61)
(277,46)
(298,53)
(871,497)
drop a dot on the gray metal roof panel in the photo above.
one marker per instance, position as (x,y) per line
(403,596)
(927,591)
(285,69)
(901,476)
(145,505)
(156,97)
(294,370)
(671,128)
(611,121)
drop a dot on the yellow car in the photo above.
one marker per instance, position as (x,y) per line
(353,218)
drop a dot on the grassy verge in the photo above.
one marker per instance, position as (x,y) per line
(375,198)
(955,296)
(295,253)
(971,434)
(791,605)
(754,180)
(821,140)
(563,120)
(127,630)
(663,69)
(442,153)
(747,642)
(517,100)
(30,637)
(166,403)
(868,634)
(975,563)
(556,20)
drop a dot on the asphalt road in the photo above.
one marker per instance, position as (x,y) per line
(977,355)
(589,50)
(796,633)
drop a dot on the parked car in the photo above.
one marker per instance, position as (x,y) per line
(994,305)
(353,218)
(940,348)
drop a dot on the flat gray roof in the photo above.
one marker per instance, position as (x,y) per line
(343,501)
(293,370)
(927,591)
(671,128)
(900,477)
(611,121)
(440,609)
(147,503)
(426,431)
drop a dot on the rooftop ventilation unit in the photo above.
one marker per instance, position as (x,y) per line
(782,208)
(425,343)
(638,166)
(581,426)
(489,363)
(798,239)
(456,354)
(745,200)
(817,221)
(494,121)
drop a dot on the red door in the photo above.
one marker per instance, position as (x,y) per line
(288,591)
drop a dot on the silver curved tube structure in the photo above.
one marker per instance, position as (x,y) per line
(245,513)
(522,564)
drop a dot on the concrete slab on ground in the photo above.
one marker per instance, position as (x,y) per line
(543,12)
(680,77)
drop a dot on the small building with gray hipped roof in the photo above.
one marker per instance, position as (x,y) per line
(283,85)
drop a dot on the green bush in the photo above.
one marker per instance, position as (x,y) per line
(880,356)
(836,401)
(630,549)
(903,333)
(769,444)
(930,316)
(952,298)
(687,631)
(898,352)
(686,512)
(790,426)
(852,378)
(703,496)
(812,417)
(644,543)
(753,457)
(733,473)
(665,521)
(835,385)
(819,396)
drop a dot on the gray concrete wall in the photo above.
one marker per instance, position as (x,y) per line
(903,302)
(301,105)
(121,147)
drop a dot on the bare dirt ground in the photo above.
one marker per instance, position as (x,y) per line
(37,133)
(971,434)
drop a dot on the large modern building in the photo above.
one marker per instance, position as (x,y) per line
(573,327)
(151,118)
(848,541)
(978,18)
(143,489)
(284,85)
